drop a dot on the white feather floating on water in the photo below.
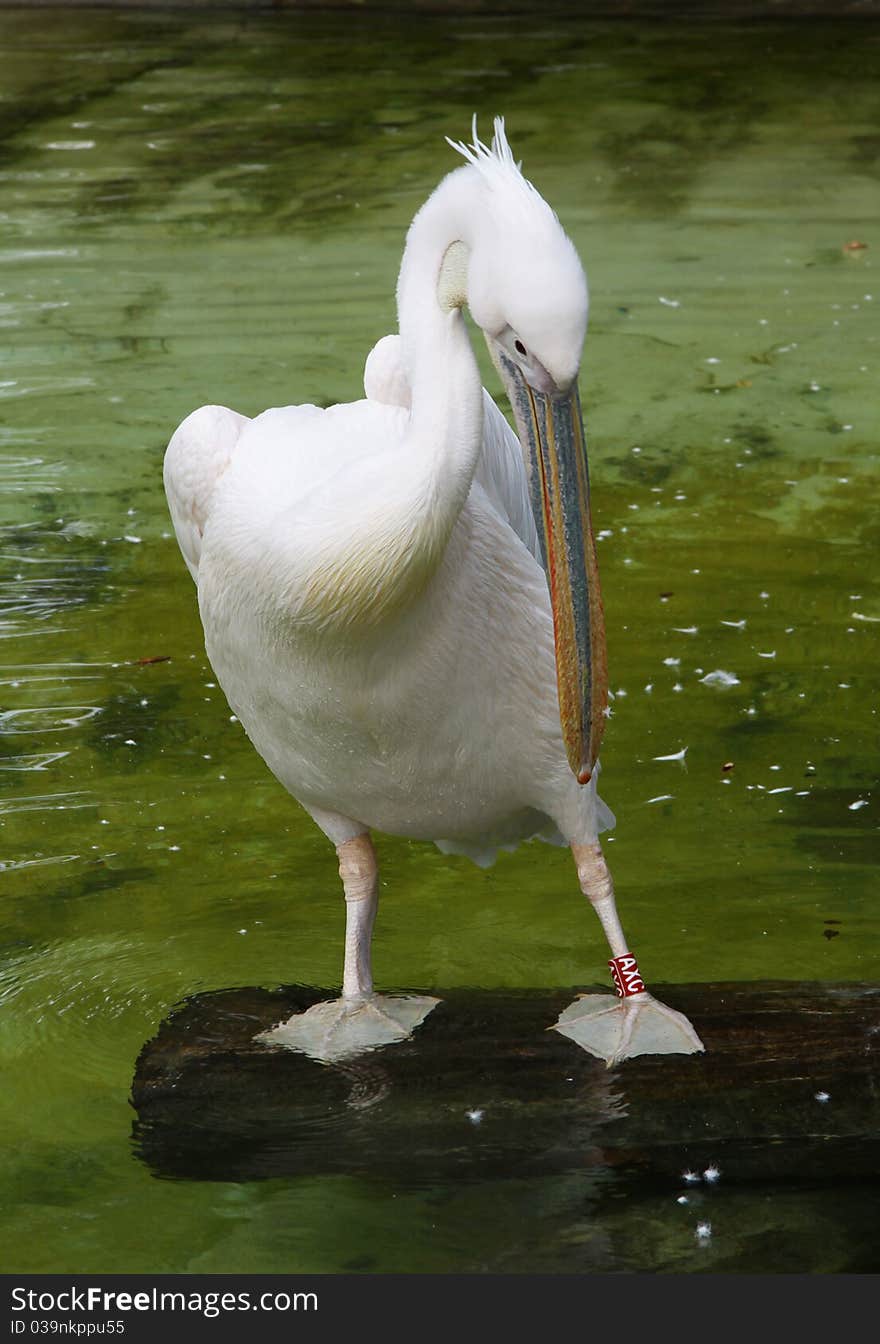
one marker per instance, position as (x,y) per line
(675,756)
(719,678)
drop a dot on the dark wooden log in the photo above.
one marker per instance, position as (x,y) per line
(483,1088)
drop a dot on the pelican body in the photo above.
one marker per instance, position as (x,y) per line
(400,596)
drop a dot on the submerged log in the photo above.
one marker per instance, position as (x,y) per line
(788,1091)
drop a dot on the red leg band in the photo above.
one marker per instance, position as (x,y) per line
(625,974)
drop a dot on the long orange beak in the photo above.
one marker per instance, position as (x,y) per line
(551,431)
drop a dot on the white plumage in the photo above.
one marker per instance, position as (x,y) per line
(440,721)
(369,579)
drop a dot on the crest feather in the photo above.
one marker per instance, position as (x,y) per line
(492,161)
(501,173)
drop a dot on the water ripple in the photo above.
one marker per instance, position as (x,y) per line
(72,993)
(11,865)
(38,760)
(40,720)
(49,802)
(22,475)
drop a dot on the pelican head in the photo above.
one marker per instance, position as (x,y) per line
(526,289)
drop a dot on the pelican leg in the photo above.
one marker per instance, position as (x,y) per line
(360,883)
(617,1028)
(360,1020)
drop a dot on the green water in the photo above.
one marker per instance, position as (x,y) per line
(199,209)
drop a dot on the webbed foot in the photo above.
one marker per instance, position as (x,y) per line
(619,1028)
(346,1027)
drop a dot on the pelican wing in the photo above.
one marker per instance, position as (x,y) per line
(200,450)
(502,474)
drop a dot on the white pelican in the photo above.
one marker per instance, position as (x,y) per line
(400,598)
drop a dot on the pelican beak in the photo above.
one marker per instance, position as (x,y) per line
(551,430)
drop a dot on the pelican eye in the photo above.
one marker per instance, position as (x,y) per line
(514,348)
